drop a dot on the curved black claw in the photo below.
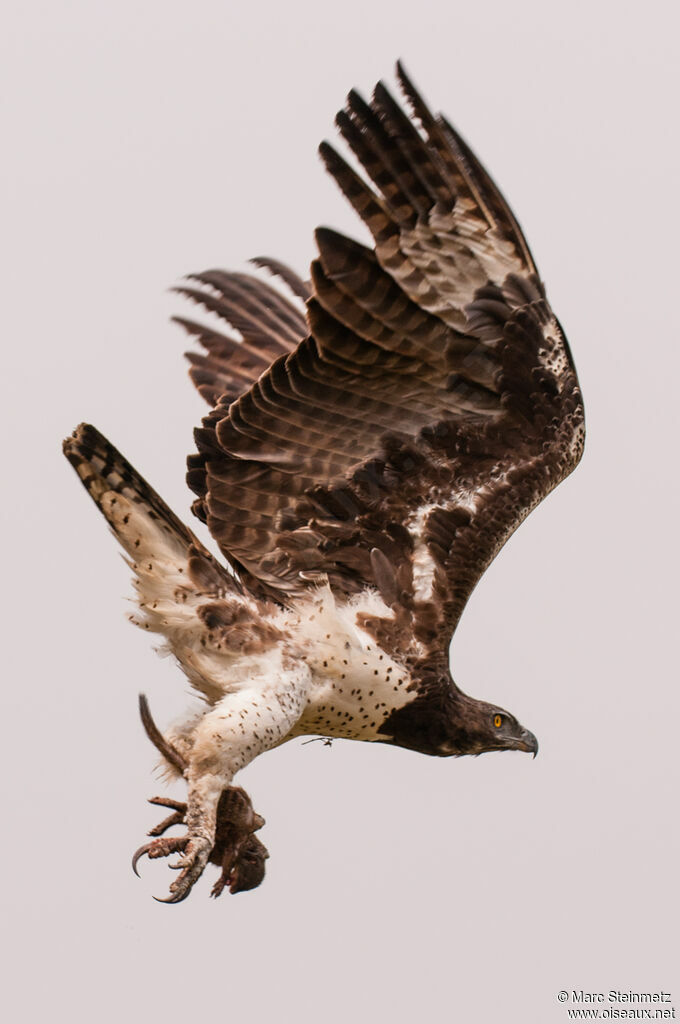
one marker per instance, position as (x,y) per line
(137,855)
(177,817)
(163,847)
(173,899)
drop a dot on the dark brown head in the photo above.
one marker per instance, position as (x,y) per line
(477,727)
(447,723)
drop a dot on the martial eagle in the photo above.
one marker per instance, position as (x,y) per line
(375,436)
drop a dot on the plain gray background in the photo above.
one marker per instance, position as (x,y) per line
(146,140)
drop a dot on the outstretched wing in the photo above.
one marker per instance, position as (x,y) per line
(268,324)
(432,404)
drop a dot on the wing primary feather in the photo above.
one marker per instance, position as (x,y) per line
(424,163)
(372,209)
(281,270)
(446,145)
(503,214)
(388,161)
(250,314)
(263,296)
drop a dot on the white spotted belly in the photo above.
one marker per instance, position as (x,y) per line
(354,685)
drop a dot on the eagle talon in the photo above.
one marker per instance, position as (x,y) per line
(137,855)
(198,849)
(171,899)
(162,847)
(178,816)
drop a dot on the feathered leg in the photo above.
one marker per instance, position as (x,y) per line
(239,727)
(219,818)
(238,852)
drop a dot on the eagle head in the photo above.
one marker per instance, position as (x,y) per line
(444,721)
(477,727)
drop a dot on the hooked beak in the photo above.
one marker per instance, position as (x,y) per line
(527,741)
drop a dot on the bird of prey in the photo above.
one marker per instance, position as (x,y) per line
(375,436)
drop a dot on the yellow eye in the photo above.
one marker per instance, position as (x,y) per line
(497,721)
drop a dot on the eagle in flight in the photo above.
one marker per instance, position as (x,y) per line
(375,436)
